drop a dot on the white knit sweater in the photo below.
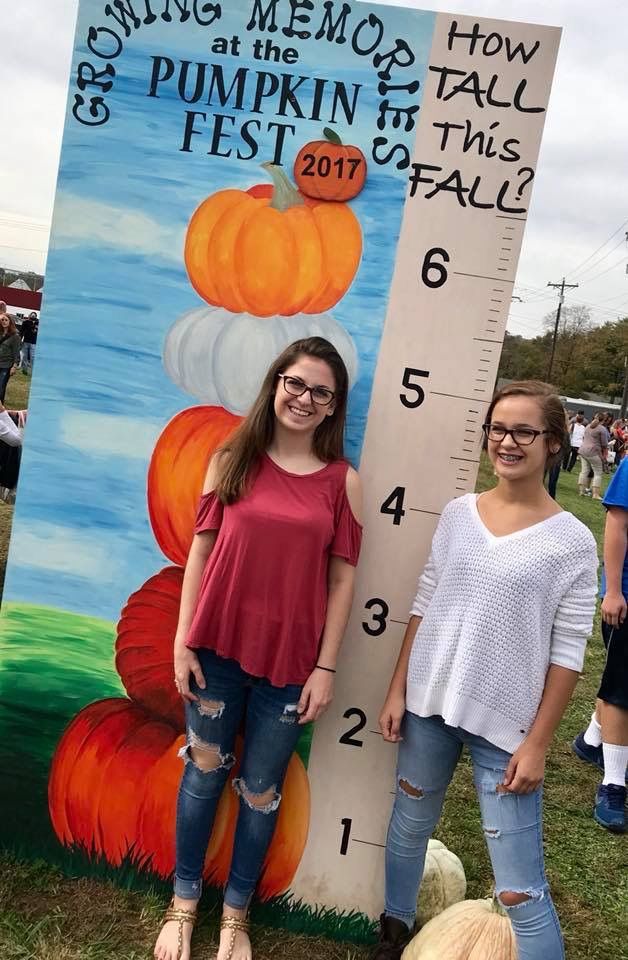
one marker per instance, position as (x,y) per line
(497,611)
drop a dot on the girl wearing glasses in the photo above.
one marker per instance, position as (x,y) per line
(491,656)
(266,597)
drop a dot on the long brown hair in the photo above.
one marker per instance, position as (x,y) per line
(11,329)
(241,452)
(551,408)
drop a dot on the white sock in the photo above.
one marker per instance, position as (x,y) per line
(593,733)
(615,763)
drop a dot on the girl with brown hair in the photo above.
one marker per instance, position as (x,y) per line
(10,346)
(492,653)
(266,596)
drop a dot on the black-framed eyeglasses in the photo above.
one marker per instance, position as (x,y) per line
(522,436)
(321,396)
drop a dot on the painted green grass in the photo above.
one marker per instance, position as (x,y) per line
(53,664)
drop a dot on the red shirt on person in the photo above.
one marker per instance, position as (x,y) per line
(263,595)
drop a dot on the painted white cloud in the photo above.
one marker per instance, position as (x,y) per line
(221,358)
(107,435)
(63,550)
(80,222)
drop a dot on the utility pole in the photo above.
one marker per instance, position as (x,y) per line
(561,299)
(624,399)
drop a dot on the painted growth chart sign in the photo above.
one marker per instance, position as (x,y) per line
(415,136)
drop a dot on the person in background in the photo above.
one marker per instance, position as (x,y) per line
(29,330)
(606,420)
(605,741)
(577,427)
(11,425)
(10,432)
(592,455)
(623,433)
(553,471)
(10,346)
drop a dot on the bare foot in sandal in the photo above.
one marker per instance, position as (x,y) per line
(173,942)
(234,936)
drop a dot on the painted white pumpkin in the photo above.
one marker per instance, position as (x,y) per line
(443,883)
(470,930)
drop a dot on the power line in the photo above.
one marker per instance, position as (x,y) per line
(602,245)
(599,260)
(601,274)
(13,246)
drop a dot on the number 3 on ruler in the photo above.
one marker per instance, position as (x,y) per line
(379,618)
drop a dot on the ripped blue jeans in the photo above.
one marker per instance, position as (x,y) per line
(270,735)
(512,824)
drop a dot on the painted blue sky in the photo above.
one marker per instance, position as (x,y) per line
(115,285)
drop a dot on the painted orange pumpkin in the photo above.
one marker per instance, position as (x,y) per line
(329,170)
(249,252)
(177,472)
(144,645)
(113,791)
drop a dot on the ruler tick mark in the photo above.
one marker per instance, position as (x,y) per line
(432,513)
(464,459)
(370,843)
(480,276)
(500,216)
(455,396)
(481,340)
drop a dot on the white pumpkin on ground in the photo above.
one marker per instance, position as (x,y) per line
(470,930)
(443,883)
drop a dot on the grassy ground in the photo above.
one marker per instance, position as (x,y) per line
(46,914)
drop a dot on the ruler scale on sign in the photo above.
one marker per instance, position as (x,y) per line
(436,369)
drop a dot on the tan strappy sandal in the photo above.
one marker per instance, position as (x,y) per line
(233,924)
(180,917)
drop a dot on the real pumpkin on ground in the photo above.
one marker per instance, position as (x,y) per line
(443,883)
(469,930)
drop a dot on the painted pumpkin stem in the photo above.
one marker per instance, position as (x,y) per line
(332,136)
(284,194)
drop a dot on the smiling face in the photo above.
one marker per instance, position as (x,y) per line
(301,413)
(517,461)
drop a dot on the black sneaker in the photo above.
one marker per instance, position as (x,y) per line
(394,936)
(610,807)
(586,752)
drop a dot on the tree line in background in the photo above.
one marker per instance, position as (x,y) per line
(588,359)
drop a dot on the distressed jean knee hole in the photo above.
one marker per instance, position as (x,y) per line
(266,802)
(410,790)
(213,709)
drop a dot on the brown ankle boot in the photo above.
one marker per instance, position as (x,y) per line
(394,936)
